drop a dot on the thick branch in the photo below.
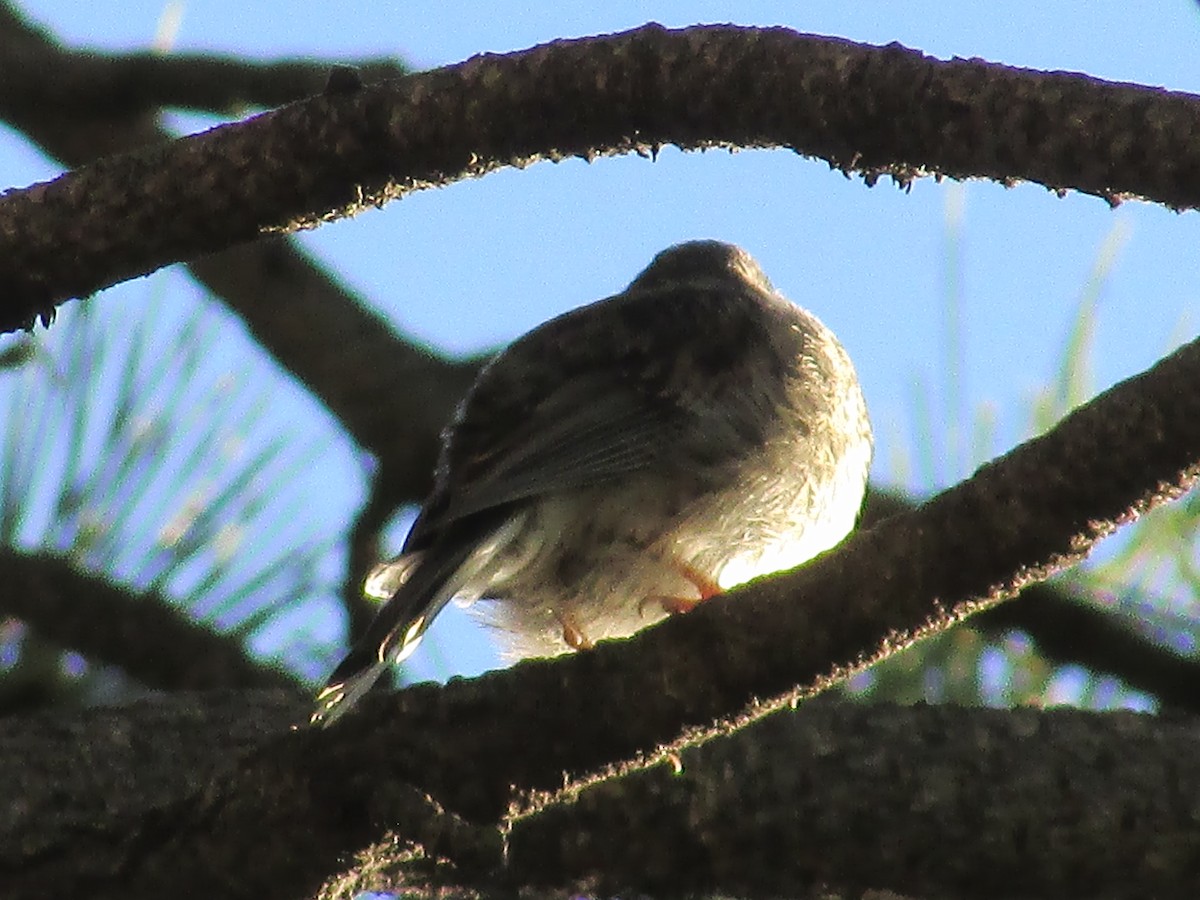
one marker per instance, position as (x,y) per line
(872,110)
(106,623)
(874,797)
(729,819)
(1039,508)
(72,776)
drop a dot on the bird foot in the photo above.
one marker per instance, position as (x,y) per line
(675,606)
(672,606)
(572,634)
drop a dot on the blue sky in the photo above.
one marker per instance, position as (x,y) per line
(476,264)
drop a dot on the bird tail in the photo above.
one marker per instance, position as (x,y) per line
(340,694)
(417,586)
(416,590)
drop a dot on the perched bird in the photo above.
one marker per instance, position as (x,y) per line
(628,460)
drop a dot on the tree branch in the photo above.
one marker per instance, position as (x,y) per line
(865,109)
(886,796)
(85,612)
(1071,630)
(911,779)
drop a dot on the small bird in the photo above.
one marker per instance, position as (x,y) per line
(625,461)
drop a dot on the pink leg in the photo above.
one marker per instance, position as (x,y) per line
(572,634)
(678,605)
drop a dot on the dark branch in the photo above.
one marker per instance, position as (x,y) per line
(865,109)
(88,775)
(85,612)
(742,823)
(872,796)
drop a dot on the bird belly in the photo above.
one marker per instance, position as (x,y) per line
(594,566)
(607,562)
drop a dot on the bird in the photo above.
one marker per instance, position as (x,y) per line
(627,461)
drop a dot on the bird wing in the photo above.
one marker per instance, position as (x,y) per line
(606,410)
(586,432)
(582,435)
